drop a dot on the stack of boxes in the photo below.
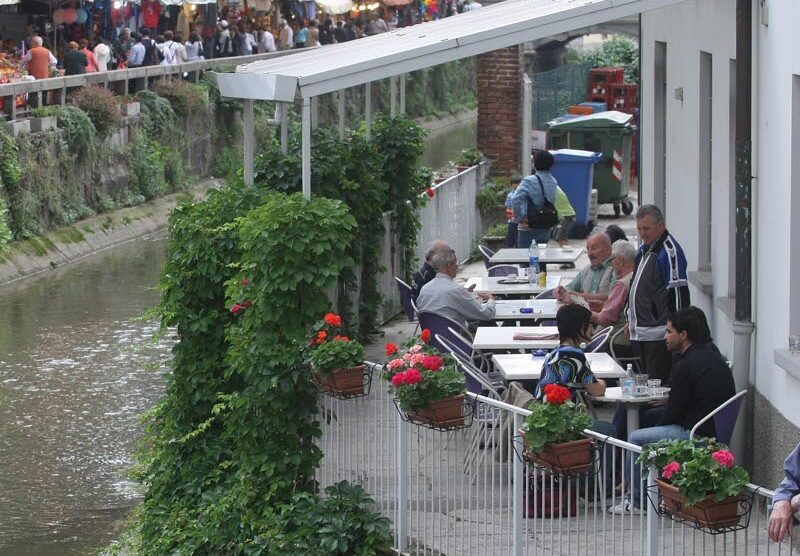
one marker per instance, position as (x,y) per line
(607,85)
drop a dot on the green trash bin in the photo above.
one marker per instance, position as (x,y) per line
(609,133)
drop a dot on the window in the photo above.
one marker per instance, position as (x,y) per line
(704,183)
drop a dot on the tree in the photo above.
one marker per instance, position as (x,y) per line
(616,51)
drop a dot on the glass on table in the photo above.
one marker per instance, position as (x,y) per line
(654,385)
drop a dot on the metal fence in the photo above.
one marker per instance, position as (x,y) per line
(555,90)
(469,492)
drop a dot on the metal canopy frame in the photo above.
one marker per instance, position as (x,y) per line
(319,71)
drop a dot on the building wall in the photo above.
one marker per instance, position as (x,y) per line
(709,26)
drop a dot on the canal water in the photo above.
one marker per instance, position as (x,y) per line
(77,371)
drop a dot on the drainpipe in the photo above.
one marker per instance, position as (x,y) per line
(743,325)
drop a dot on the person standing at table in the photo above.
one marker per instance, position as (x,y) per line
(536,191)
(701,382)
(39,60)
(75,61)
(659,287)
(786,502)
(567,363)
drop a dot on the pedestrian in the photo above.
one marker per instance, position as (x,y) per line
(222,44)
(313,34)
(91,62)
(533,202)
(511,227)
(659,287)
(300,35)
(75,61)
(251,47)
(339,34)
(136,52)
(102,53)
(238,41)
(286,36)
(168,49)
(180,50)
(152,55)
(39,61)
(326,32)
(194,48)
(266,42)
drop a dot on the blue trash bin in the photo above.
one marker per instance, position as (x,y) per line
(574,171)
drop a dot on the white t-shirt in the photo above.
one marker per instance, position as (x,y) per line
(102,53)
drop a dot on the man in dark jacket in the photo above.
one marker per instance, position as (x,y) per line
(659,287)
(426,273)
(701,382)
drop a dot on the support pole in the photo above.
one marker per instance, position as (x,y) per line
(393,96)
(249,142)
(307,148)
(284,117)
(314,112)
(527,125)
(368,111)
(401,528)
(342,114)
(652,515)
(403,94)
(518,481)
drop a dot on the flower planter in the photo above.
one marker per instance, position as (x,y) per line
(706,513)
(342,383)
(446,413)
(45,123)
(130,108)
(564,457)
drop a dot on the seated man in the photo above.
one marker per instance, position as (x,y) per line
(701,382)
(594,281)
(786,502)
(567,363)
(426,273)
(444,296)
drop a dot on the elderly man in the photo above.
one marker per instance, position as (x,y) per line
(39,61)
(658,287)
(786,502)
(444,296)
(426,273)
(594,281)
(701,382)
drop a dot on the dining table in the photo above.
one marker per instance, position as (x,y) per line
(492,338)
(510,285)
(525,309)
(632,403)
(554,255)
(524,366)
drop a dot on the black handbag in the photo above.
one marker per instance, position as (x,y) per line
(541,218)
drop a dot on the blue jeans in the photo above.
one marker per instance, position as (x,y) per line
(648,417)
(525,237)
(650,435)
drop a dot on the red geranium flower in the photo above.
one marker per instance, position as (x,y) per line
(425,336)
(412,376)
(247,303)
(432,362)
(321,336)
(556,394)
(391,349)
(342,338)
(333,319)
(430,192)
(235,309)
(245,281)
(398,380)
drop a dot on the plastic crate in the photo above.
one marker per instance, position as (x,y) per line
(601,80)
(595,106)
(580,110)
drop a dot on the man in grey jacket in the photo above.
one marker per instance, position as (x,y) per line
(659,287)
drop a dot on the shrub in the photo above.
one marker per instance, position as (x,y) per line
(158,117)
(147,167)
(5,231)
(184,98)
(101,106)
(78,128)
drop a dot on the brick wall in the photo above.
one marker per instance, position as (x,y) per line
(499,89)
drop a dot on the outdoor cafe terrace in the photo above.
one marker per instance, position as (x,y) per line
(469,491)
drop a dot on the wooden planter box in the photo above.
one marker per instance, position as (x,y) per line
(45,123)
(564,457)
(706,513)
(342,382)
(130,108)
(445,413)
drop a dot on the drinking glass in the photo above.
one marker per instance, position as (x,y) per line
(653,384)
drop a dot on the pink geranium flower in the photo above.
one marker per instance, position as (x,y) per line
(398,380)
(724,458)
(417,358)
(671,469)
(416,348)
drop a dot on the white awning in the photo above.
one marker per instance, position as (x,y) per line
(8,2)
(335,7)
(335,67)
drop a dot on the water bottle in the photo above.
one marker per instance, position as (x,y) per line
(628,382)
(533,261)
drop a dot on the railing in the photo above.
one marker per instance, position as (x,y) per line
(469,492)
(127,80)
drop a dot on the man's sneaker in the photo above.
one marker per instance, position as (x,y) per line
(625,508)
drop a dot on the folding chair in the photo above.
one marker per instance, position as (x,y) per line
(725,417)
(503,270)
(487,254)
(407,298)
(599,340)
(439,324)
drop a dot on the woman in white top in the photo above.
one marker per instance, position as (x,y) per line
(194,48)
(102,53)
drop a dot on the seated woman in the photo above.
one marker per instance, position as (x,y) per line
(612,311)
(567,363)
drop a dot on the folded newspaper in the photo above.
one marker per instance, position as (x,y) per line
(534,336)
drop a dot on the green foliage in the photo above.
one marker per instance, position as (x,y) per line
(5,231)
(698,473)
(336,354)
(101,106)
(491,195)
(227,162)
(158,117)
(551,422)
(78,127)
(174,173)
(185,99)
(498,230)
(616,51)
(147,167)
(470,157)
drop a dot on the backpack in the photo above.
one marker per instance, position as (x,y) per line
(150,53)
(541,218)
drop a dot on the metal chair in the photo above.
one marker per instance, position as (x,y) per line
(621,360)
(407,297)
(502,270)
(487,254)
(599,340)
(439,324)
(547,294)
(480,360)
(725,417)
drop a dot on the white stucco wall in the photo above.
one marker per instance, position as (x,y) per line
(709,25)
